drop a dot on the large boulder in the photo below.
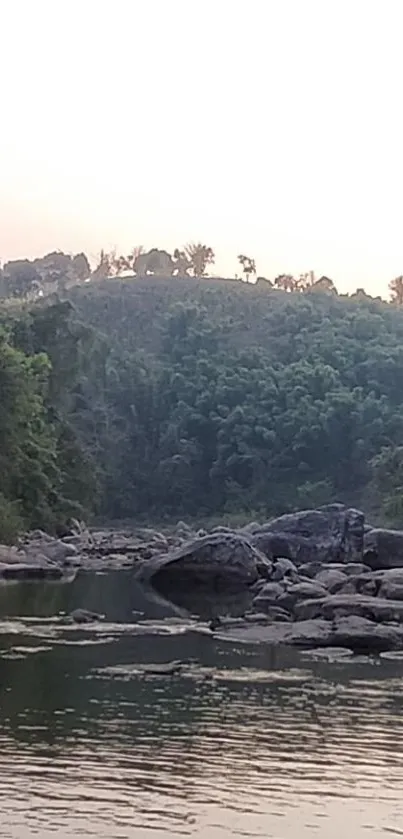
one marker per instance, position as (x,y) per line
(333,533)
(383,549)
(219,561)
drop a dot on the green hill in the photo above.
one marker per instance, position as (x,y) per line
(175,397)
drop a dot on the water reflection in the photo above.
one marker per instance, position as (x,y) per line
(243,742)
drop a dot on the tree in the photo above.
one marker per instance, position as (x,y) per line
(199,256)
(324,285)
(21,277)
(155,261)
(396,290)
(80,266)
(104,266)
(182,263)
(286,282)
(248,266)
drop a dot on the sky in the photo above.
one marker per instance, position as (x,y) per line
(266,127)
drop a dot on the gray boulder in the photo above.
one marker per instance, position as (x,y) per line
(355,568)
(333,533)
(363,635)
(383,549)
(301,591)
(332,580)
(361,584)
(269,595)
(218,561)
(390,583)
(54,550)
(284,568)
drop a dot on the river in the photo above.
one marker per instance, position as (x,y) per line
(241,742)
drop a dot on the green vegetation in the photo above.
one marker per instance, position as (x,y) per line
(185,396)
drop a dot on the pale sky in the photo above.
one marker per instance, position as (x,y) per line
(268,127)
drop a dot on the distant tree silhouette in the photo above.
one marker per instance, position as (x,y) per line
(199,256)
(396,290)
(248,266)
(286,282)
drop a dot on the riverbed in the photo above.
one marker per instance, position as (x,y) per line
(236,741)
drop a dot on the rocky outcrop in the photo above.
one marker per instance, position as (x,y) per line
(333,533)
(220,561)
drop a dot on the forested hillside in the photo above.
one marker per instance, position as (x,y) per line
(192,397)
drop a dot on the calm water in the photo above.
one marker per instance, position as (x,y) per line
(243,742)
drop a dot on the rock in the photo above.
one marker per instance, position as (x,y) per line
(361,584)
(353,633)
(360,605)
(10,554)
(330,534)
(283,568)
(271,613)
(362,635)
(301,591)
(221,529)
(331,580)
(218,622)
(184,531)
(269,595)
(383,549)
(84,616)
(169,668)
(353,569)
(30,571)
(54,550)
(390,583)
(257,617)
(272,545)
(252,527)
(219,561)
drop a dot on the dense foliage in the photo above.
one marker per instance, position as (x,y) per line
(194,397)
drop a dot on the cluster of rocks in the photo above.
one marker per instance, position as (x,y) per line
(317,578)
(314,578)
(39,556)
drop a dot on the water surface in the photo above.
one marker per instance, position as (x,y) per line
(242,742)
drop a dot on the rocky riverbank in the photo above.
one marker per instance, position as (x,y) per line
(316,578)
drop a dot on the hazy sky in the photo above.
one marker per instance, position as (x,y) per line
(268,127)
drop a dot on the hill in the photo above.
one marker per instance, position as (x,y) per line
(175,397)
